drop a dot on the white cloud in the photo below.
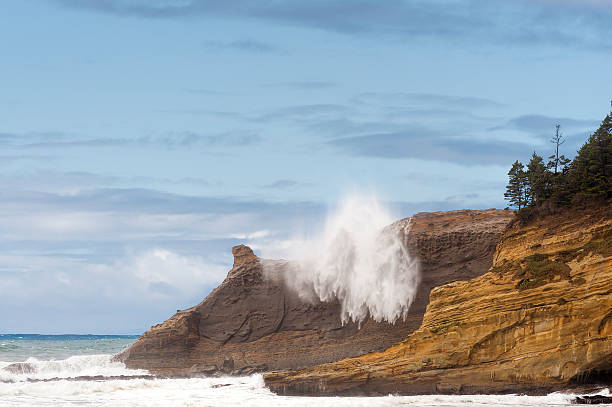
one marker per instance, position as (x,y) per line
(184,273)
(147,285)
(258,234)
(53,224)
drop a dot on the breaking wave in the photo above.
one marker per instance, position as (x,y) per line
(72,367)
(230,392)
(359,259)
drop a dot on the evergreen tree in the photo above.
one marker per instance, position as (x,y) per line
(588,177)
(517,186)
(591,172)
(538,180)
(557,161)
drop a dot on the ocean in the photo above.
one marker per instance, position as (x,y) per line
(76,370)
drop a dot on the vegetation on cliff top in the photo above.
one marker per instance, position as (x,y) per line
(539,269)
(561,182)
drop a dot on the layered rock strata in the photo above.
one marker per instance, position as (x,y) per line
(252,323)
(539,320)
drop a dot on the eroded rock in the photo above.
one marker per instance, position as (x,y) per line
(259,325)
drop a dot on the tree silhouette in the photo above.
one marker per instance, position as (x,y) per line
(516,190)
(591,172)
(538,179)
(557,160)
(587,178)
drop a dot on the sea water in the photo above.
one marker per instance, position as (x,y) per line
(77,370)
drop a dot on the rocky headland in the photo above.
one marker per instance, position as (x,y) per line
(253,323)
(539,320)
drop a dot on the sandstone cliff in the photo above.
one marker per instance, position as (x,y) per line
(252,323)
(539,320)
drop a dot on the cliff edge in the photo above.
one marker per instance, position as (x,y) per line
(251,323)
(539,320)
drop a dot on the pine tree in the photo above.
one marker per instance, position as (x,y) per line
(557,161)
(591,172)
(538,180)
(517,186)
(588,177)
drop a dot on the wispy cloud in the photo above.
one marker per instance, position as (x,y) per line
(67,182)
(212,92)
(426,99)
(247,45)
(540,127)
(521,22)
(9,158)
(540,123)
(302,85)
(377,112)
(13,139)
(302,111)
(427,144)
(169,140)
(132,212)
(286,184)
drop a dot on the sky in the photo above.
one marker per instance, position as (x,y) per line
(141,139)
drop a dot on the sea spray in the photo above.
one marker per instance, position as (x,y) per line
(74,366)
(359,259)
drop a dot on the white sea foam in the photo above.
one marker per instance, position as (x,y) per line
(357,259)
(226,391)
(74,366)
(135,391)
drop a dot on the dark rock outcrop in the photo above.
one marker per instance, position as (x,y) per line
(251,323)
(597,399)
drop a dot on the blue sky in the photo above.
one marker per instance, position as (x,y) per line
(141,140)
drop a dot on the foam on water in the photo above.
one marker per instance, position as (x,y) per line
(97,384)
(227,391)
(74,366)
(93,380)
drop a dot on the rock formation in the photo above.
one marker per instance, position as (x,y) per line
(539,320)
(252,323)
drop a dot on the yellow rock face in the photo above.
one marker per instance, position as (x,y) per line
(539,320)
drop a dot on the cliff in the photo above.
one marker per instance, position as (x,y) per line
(539,320)
(252,323)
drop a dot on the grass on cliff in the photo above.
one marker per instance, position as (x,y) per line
(507,267)
(540,270)
(601,246)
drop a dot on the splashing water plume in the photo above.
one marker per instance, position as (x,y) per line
(360,260)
